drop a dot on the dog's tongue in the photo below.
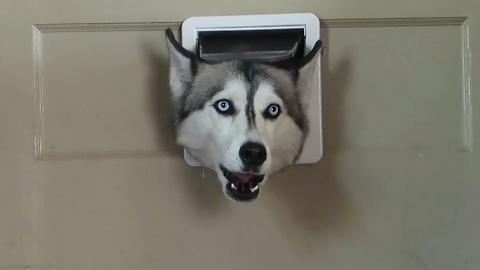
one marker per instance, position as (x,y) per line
(244,177)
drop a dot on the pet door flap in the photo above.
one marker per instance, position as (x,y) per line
(263,45)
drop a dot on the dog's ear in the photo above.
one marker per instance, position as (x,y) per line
(302,70)
(183,66)
(306,71)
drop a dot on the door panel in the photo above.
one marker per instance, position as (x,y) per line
(91,109)
(399,76)
(90,177)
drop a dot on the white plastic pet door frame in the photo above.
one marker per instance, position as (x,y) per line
(313,148)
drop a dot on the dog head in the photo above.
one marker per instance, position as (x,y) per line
(243,119)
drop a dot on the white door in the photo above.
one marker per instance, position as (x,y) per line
(90,177)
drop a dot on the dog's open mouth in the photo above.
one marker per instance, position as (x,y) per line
(242,187)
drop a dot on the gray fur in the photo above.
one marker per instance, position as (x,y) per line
(211,78)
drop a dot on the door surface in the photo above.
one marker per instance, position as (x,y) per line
(90,177)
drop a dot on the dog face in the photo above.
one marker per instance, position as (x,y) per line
(243,119)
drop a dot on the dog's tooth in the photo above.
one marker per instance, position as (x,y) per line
(233,186)
(254,188)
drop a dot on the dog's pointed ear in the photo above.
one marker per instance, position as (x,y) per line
(183,66)
(306,72)
(302,70)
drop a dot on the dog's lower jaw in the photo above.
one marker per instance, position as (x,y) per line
(226,194)
(225,182)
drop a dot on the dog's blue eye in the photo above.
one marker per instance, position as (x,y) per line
(272,112)
(224,107)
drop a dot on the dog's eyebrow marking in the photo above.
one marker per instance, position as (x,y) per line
(194,101)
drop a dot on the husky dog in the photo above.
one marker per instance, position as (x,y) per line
(243,119)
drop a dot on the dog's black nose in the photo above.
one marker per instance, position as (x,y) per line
(253,154)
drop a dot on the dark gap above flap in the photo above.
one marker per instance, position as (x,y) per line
(263,45)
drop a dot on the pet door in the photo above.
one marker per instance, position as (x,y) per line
(270,37)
